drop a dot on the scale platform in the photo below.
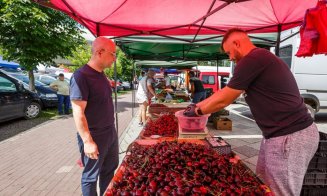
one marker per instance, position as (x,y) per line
(193,135)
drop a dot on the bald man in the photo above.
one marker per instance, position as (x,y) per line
(94,118)
(290,136)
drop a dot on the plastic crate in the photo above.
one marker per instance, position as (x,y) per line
(322,148)
(220,145)
(318,163)
(315,178)
(314,191)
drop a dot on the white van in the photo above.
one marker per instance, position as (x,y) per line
(310,72)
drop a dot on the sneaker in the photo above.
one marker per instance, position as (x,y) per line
(140,124)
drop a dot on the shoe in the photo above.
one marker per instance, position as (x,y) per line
(140,124)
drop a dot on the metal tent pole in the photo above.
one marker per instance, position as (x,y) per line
(116,106)
(133,90)
(278,40)
(217,76)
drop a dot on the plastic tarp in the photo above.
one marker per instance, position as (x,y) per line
(7,64)
(183,17)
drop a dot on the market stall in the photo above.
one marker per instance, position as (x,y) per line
(143,171)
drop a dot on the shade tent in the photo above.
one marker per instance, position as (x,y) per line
(167,49)
(166,64)
(183,17)
(171,19)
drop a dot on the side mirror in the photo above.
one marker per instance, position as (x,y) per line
(21,87)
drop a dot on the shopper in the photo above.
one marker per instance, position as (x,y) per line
(144,94)
(290,136)
(167,80)
(94,118)
(62,88)
(198,92)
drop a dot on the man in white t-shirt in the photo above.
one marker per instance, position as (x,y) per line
(62,88)
(144,93)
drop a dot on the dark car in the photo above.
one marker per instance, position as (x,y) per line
(48,96)
(16,101)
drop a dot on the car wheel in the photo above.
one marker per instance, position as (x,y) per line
(32,110)
(311,111)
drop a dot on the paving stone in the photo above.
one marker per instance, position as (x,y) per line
(247,151)
(255,145)
(241,126)
(242,157)
(252,140)
(235,143)
(251,166)
(253,160)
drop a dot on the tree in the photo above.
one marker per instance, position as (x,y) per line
(80,56)
(31,34)
(126,64)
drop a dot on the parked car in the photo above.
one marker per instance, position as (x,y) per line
(16,101)
(125,84)
(48,96)
(45,79)
(119,86)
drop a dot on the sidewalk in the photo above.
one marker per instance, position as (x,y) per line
(42,160)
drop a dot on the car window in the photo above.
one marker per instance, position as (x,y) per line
(7,85)
(47,80)
(208,79)
(26,80)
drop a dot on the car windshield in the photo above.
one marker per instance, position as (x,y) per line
(26,80)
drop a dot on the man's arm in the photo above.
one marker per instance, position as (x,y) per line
(90,147)
(192,89)
(219,100)
(151,90)
(54,86)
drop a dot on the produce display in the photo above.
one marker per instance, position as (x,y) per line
(165,125)
(157,105)
(178,168)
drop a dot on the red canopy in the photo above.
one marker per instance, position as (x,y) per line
(183,17)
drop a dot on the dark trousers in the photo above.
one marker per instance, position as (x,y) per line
(104,167)
(199,96)
(63,100)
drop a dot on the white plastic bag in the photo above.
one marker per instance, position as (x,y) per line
(168,97)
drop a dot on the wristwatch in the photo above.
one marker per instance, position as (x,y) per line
(198,111)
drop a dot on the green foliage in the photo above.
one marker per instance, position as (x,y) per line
(124,65)
(31,34)
(80,56)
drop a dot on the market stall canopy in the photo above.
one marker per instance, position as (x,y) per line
(167,49)
(182,17)
(166,64)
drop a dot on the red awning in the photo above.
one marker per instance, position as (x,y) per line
(183,17)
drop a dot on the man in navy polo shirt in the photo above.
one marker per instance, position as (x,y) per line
(290,136)
(94,118)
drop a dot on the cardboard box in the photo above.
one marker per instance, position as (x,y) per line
(222,123)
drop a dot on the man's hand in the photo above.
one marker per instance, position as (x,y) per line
(91,150)
(190,110)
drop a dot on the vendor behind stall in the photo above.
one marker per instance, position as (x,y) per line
(198,92)
(290,136)
(167,80)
